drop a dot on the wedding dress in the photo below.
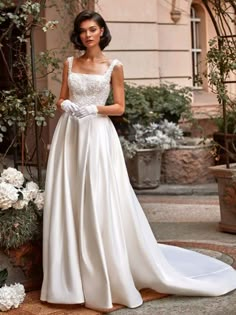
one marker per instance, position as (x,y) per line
(98,247)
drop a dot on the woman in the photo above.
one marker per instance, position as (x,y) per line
(98,246)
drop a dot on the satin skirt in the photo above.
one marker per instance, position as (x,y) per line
(98,247)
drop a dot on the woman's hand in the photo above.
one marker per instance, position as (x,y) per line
(68,106)
(84,111)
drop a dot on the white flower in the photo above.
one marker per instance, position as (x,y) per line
(13,176)
(33,188)
(171,129)
(50,25)
(11,296)
(28,195)
(20,204)
(162,136)
(39,200)
(8,195)
(30,191)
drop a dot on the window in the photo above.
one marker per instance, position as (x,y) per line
(196,48)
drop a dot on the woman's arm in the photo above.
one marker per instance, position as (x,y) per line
(64,94)
(118,108)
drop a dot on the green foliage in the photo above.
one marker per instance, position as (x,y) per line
(3,277)
(18,226)
(18,108)
(170,101)
(231,122)
(147,104)
(137,108)
(21,103)
(221,59)
(221,62)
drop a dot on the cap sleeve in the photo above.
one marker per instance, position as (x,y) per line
(70,62)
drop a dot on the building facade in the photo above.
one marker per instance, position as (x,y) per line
(156,40)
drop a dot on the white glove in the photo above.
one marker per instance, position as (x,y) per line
(68,106)
(84,111)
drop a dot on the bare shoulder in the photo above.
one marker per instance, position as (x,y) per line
(118,68)
(66,63)
(110,61)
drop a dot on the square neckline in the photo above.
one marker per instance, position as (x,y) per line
(89,74)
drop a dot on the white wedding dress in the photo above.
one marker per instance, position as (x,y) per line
(98,247)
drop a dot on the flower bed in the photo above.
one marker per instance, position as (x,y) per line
(21,204)
(21,212)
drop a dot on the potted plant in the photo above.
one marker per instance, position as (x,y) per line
(21,204)
(143,152)
(146,104)
(221,69)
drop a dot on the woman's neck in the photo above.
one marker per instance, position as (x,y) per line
(93,54)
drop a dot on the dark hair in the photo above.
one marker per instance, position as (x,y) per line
(89,15)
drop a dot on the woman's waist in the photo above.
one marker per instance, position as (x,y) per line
(75,118)
(83,103)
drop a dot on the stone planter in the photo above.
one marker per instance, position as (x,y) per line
(226,179)
(188,163)
(24,265)
(144,169)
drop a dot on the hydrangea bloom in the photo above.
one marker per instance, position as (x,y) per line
(39,200)
(14,193)
(32,186)
(8,195)
(30,191)
(20,204)
(13,176)
(11,296)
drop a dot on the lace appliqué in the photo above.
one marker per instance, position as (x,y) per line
(90,89)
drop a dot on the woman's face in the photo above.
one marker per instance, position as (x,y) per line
(90,33)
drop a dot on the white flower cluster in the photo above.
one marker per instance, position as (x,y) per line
(13,177)
(11,296)
(162,136)
(12,187)
(50,25)
(30,7)
(171,129)
(128,147)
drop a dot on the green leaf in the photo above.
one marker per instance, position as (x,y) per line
(3,277)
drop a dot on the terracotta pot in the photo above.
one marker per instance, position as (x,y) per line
(24,265)
(144,168)
(226,179)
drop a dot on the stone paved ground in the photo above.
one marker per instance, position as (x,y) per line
(193,219)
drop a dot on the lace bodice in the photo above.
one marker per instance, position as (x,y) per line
(89,89)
